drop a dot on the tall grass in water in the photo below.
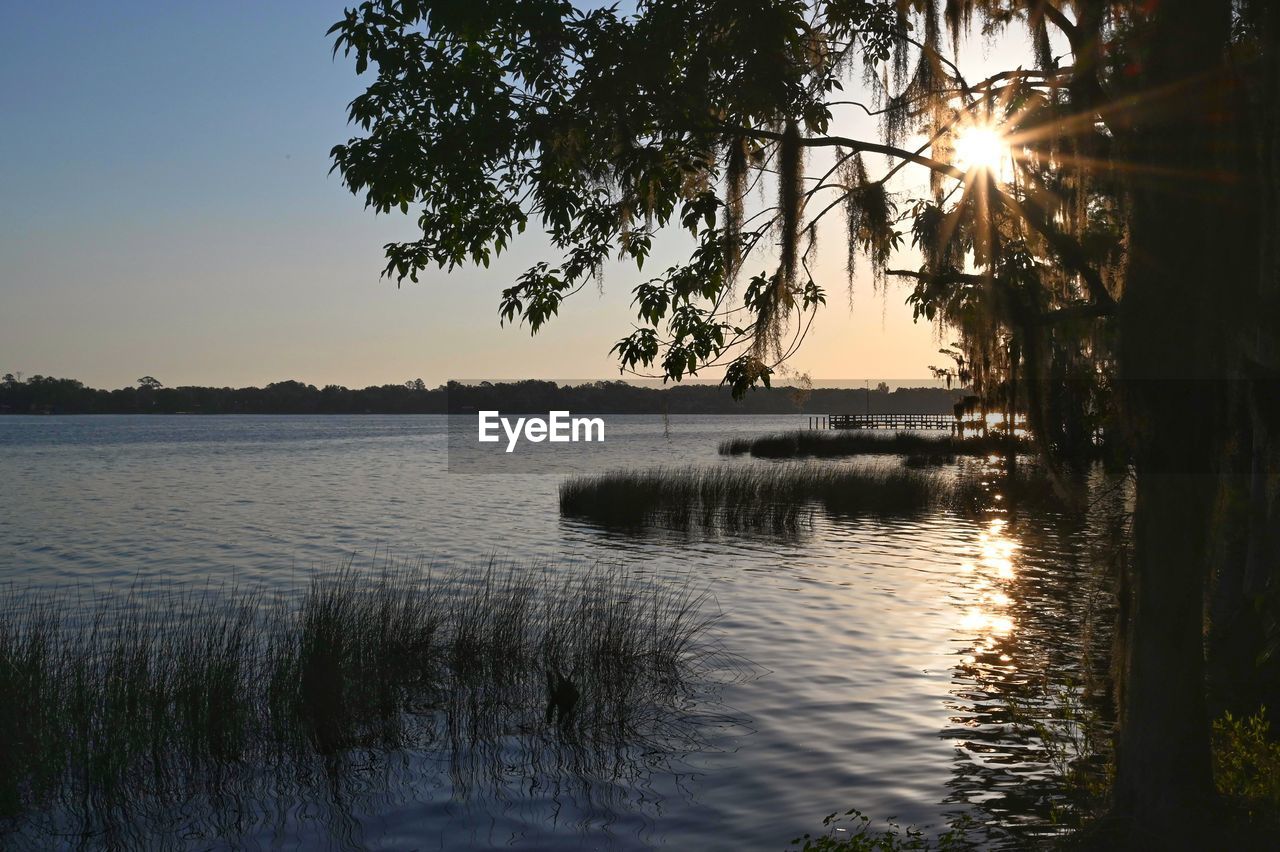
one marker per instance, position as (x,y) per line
(775,498)
(137,702)
(781,498)
(834,443)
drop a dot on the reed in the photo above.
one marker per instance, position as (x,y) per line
(829,444)
(146,695)
(759,498)
(917,460)
(781,499)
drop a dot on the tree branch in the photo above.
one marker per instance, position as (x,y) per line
(943,277)
(1062,22)
(1080,310)
(1069,251)
(1067,313)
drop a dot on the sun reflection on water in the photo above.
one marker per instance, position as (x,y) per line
(1028,631)
(986,602)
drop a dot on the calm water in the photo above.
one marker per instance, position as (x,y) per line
(883,649)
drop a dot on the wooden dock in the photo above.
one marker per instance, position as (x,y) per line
(896,422)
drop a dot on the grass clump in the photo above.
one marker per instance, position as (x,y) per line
(781,499)
(835,443)
(917,460)
(157,700)
(776,498)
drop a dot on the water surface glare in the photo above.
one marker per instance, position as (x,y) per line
(883,647)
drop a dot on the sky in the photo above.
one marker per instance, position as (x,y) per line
(166,210)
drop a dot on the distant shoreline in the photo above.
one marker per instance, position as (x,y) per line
(40,395)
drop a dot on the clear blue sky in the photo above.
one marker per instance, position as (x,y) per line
(166,209)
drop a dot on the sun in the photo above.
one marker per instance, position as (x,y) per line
(980,147)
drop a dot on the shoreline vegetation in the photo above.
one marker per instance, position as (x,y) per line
(781,499)
(836,443)
(778,499)
(156,701)
(47,395)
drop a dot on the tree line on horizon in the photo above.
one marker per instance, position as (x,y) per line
(49,395)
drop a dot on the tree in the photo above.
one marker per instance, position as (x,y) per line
(1068,254)
(149,383)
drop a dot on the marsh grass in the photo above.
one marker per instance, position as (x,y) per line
(757,498)
(148,699)
(917,460)
(853,442)
(781,499)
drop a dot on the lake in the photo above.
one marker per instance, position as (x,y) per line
(883,652)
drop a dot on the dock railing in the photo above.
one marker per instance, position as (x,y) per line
(897,422)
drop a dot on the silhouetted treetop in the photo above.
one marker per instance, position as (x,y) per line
(602,128)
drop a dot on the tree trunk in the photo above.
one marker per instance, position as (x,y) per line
(1264,568)
(1260,580)
(1174,350)
(1244,670)
(1162,759)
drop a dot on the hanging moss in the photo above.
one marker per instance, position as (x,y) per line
(790,200)
(735,188)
